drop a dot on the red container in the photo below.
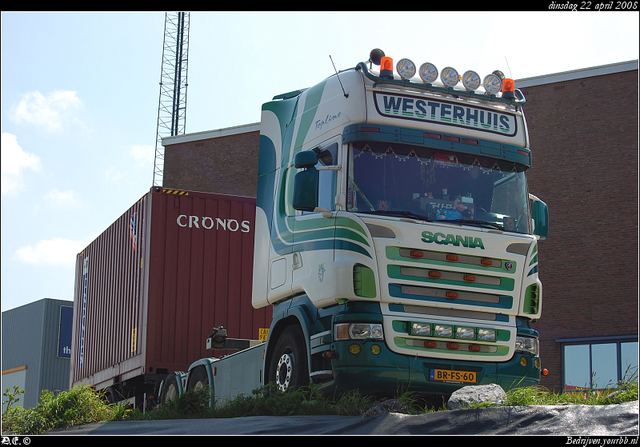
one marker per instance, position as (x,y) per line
(150,288)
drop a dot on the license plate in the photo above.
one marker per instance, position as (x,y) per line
(443,375)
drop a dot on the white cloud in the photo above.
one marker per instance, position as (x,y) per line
(53,112)
(61,198)
(14,162)
(56,251)
(143,154)
(113,175)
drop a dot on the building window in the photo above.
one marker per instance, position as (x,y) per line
(598,363)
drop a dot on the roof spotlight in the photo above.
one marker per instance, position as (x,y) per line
(470,80)
(449,76)
(376,55)
(499,74)
(428,72)
(492,84)
(406,68)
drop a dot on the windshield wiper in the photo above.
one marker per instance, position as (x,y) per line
(399,213)
(478,223)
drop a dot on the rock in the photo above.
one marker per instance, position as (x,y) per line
(468,395)
(387,406)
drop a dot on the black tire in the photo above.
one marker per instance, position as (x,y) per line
(111,395)
(288,367)
(170,387)
(198,378)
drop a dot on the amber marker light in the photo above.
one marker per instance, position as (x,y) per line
(342,332)
(386,63)
(386,67)
(508,88)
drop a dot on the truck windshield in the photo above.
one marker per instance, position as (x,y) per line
(437,185)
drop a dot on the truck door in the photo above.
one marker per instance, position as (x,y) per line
(314,231)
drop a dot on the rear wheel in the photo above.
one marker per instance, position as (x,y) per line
(198,381)
(111,395)
(198,378)
(171,387)
(288,368)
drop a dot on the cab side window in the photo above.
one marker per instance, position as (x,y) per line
(327,179)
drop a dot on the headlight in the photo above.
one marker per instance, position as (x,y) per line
(420,329)
(486,334)
(406,68)
(470,80)
(449,77)
(527,344)
(465,332)
(428,73)
(441,330)
(358,331)
(492,84)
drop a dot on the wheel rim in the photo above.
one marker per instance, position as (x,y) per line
(283,372)
(172,393)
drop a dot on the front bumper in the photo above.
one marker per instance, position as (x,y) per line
(387,373)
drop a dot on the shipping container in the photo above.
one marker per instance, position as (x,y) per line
(151,287)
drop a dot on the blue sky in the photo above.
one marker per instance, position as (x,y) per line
(80,97)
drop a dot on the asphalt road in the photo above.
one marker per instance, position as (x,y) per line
(562,420)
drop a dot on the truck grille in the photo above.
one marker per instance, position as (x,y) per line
(459,290)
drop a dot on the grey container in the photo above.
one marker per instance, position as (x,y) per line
(36,348)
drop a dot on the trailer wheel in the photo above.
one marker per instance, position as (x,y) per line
(171,387)
(111,395)
(289,369)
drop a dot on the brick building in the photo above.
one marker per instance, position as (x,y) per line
(223,161)
(583,128)
(584,139)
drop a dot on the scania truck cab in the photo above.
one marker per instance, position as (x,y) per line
(396,238)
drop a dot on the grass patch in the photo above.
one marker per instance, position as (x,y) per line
(625,392)
(82,405)
(77,406)
(265,401)
(538,395)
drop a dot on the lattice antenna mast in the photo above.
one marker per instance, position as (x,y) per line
(172,105)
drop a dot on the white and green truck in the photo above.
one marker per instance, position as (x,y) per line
(395,237)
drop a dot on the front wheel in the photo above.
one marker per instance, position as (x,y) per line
(288,368)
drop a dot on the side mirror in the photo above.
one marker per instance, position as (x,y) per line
(306,159)
(305,183)
(540,215)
